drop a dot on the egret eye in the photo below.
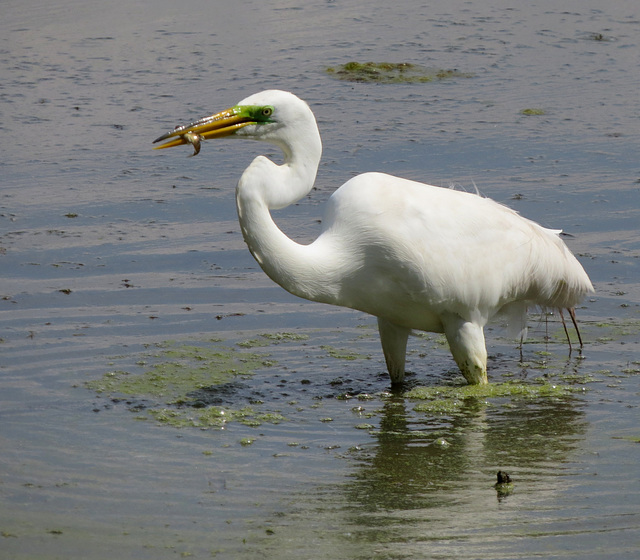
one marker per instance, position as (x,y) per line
(261,114)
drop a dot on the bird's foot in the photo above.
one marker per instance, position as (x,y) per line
(474,374)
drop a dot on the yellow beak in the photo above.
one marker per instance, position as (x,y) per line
(219,125)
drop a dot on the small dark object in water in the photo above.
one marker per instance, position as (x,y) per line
(503,486)
(503,478)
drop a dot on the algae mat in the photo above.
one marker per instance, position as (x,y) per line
(210,382)
(392,73)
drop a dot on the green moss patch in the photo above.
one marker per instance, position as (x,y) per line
(267,339)
(532,112)
(446,400)
(182,369)
(620,328)
(343,354)
(632,439)
(173,389)
(213,417)
(391,73)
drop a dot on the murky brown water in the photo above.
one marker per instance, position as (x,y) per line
(109,249)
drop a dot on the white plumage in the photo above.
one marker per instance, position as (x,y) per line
(415,256)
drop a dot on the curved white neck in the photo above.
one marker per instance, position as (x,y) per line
(264,186)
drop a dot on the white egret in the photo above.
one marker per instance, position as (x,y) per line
(416,256)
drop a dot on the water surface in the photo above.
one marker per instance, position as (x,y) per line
(109,250)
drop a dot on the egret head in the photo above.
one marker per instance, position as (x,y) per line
(270,116)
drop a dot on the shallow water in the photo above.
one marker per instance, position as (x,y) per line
(109,249)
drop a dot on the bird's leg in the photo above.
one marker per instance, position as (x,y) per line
(572,313)
(566,332)
(520,346)
(467,345)
(546,327)
(394,346)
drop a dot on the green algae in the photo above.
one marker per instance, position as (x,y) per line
(620,328)
(213,417)
(267,339)
(343,354)
(504,489)
(632,439)
(184,384)
(533,112)
(448,400)
(391,73)
(285,336)
(254,343)
(173,383)
(183,369)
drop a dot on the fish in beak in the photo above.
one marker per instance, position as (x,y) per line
(224,123)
